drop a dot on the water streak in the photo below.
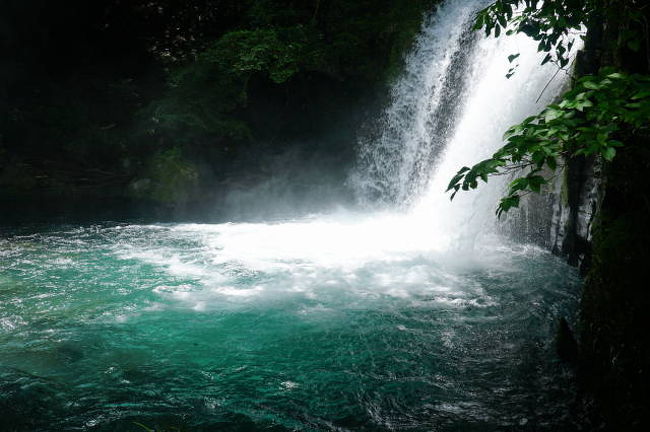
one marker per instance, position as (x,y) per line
(395,163)
(412,161)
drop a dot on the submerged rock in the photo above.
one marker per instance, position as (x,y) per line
(565,342)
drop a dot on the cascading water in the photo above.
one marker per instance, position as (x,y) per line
(373,322)
(450,109)
(395,165)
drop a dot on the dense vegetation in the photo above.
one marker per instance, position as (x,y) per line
(157,100)
(593,118)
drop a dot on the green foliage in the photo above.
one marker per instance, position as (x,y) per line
(220,80)
(278,52)
(204,95)
(366,39)
(590,120)
(555,24)
(170,178)
(550,23)
(344,40)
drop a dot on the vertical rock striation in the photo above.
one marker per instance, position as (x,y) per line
(600,223)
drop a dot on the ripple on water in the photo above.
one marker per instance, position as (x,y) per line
(141,323)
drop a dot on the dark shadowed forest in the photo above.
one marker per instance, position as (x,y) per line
(163,103)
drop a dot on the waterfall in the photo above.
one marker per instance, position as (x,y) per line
(395,165)
(450,109)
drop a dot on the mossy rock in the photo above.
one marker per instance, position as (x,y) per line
(169,179)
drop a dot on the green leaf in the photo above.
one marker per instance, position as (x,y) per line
(507,203)
(551,114)
(609,153)
(581,105)
(615,102)
(641,95)
(535,182)
(457,178)
(634,45)
(480,20)
(519,184)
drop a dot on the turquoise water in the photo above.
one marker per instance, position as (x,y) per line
(300,325)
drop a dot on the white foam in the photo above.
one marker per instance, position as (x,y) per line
(403,255)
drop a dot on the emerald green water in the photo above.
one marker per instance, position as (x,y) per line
(303,325)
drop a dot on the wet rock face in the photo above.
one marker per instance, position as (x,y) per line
(615,347)
(578,192)
(577,195)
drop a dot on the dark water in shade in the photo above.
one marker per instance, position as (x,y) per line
(312,325)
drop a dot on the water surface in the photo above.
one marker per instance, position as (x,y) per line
(321,324)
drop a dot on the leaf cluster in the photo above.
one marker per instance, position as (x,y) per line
(589,120)
(203,94)
(170,177)
(553,24)
(279,52)
(277,44)
(556,24)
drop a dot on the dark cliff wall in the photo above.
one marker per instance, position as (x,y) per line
(615,309)
(600,223)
